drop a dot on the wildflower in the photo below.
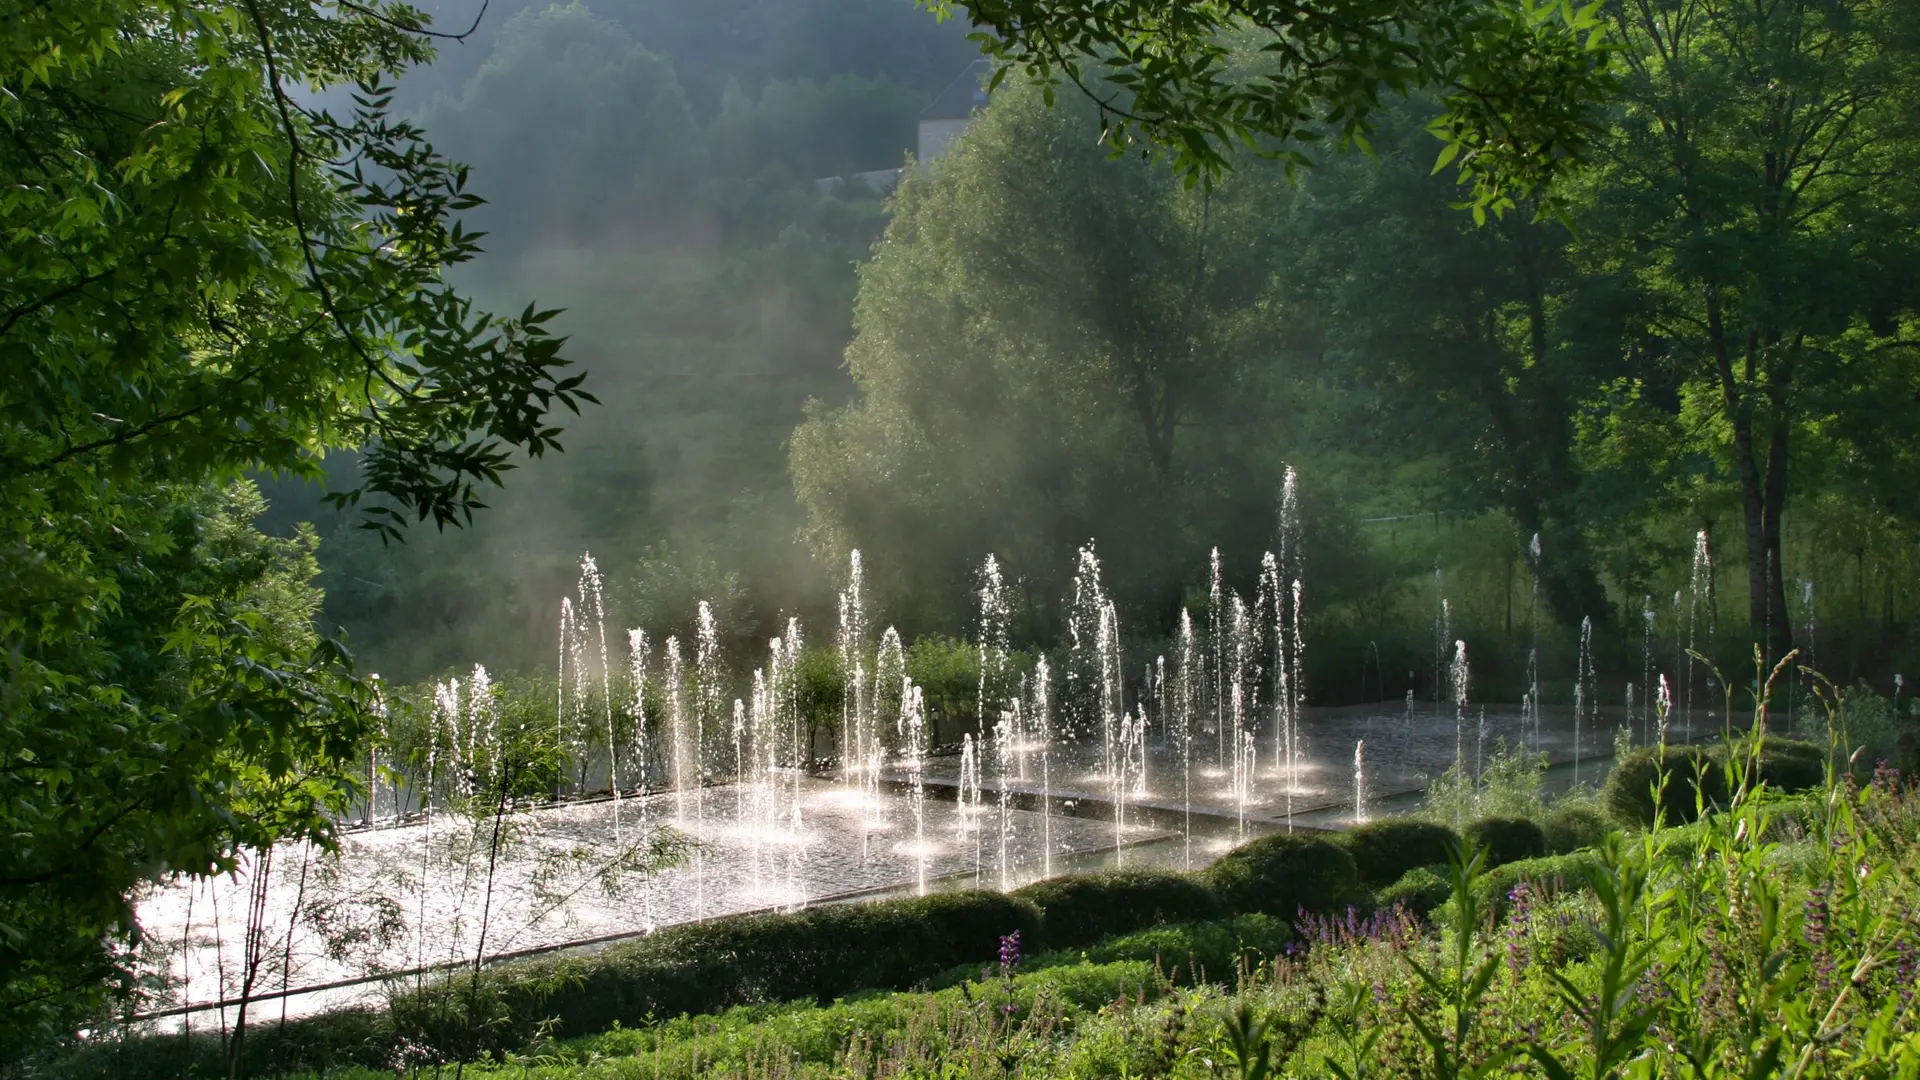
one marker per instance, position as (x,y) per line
(1009,954)
(1517,926)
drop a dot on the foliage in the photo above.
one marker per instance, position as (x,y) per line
(1571,828)
(208,277)
(1202,79)
(1080,909)
(1419,890)
(214,720)
(1684,777)
(1507,786)
(1198,952)
(1047,343)
(702,967)
(1386,851)
(1504,840)
(1284,874)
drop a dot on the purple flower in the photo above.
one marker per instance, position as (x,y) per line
(1517,924)
(1009,954)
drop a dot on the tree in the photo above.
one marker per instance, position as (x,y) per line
(1519,81)
(582,130)
(205,276)
(1759,189)
(1052,346)
(1475,349)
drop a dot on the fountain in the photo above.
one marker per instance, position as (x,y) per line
(1700,586)
(1360,801)
(1185,703)
(729,757)
(1458,678)
(1583,690)
(913,723)
(968,821)
(1042,719)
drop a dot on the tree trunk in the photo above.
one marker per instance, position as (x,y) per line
(1763,496)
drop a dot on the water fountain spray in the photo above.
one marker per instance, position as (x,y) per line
(1583,690)
(1531,719)
(1700,583)
(1217,656)
(992,645)
(1186,689)
(1041,717)
(1360,800)
(856,721)
(913,722)
(969,818)
(1459,678)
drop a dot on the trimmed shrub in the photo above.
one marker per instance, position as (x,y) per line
(320,1043)
(1793,765)
(1628,792)
(1573,828)
(1786,765)
(821,953)
(1080,909)
(1419,890)
(1386,850)
(1507,839)
(1209,951)
(1284,873)
(1552,874)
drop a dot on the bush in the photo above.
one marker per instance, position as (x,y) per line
(1200,951)
(1628,793)
(1786,765)
(1284,873)
(1550,874)
(1386,850)
(1792,765)
(1507,840)
(1573,828)
(821,953)
(319,1043)
(1419,890)
(1080,909)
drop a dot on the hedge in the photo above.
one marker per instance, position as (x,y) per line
(1550,873)
(1786,765)
(1573,828)
(1079,909)
(320,1043)
(1507,839)
(1419,890)
(1385,851)
(1201,950)
(1285,873)
(821,953)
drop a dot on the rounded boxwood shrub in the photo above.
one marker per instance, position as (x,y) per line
(1079,909)
(1791,765)
(1573,828)
(1507,839)
(1419,890)
(1628,792)
(1199,950)
(1285,873)
(1553,874)
(1385,850)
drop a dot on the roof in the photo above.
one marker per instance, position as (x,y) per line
(963,97)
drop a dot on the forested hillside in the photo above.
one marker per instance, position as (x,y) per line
(1051,345)
(652,161)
